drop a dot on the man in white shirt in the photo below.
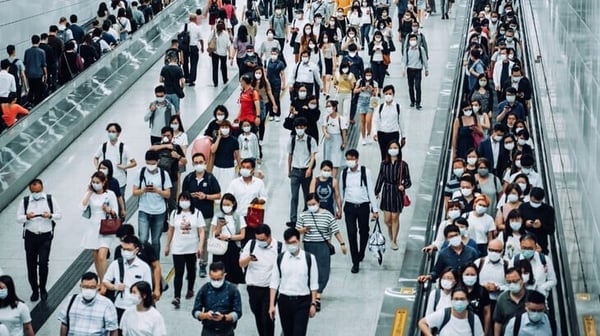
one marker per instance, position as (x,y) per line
(295,278)
(387,122)
(37,213)
(196,40)
(7,81)
(134,270)
(260,256)
(359,200)
(491,270)
(115,151)
(248,189)
(305,73)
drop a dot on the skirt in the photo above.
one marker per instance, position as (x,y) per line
(332,150)
(231,260)
(329,66)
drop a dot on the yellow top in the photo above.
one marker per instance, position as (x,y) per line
(345,4)
(345,83)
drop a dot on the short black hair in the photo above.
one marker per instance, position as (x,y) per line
(53,29)
(536,297)
(538,193)
(528,236)
(230,197)
(263,229)
(326,163)
(351,152)
(10,49)
(251,161)
(131,239)
(116,126)
(291,232)
(125,230)
(35,39)
(160,89)
(89,276)
(221,108)
(389,87)
(35,181)
(151,156)
(166,129)
(451,228)
(461,221)
(511,270)
(217,266)
(73,18)
(511,90)
(300,121)
(501,127)
(197,155)
(352,47)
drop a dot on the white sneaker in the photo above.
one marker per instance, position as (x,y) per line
(277,119)
(364,141)
(271,118)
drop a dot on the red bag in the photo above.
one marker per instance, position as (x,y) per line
(477,137)
(255,215)
(405,200)
(109,226)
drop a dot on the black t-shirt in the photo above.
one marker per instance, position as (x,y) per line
(212,130)
(89,55)
(171,74)
(208,185)
(224,156)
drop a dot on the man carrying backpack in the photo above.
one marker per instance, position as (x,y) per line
(415,60)
(387,122)
(115,151)
(17,69)
(455,320)
(159,114)
(7,81)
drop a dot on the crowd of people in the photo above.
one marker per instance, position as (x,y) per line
(492,265)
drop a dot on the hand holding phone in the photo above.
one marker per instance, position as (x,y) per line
(253,257)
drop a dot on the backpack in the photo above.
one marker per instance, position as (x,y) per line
(50,205)
(308,263)
(253,245)
(166,161)
(121,146)
(112,295)
(397,109)
(184,38)
(143,178)
(97,46)
(420,55)
(68,320)
(13,69)
(448,314)
(363,177)
(308,146)
(62,35)
(436,298)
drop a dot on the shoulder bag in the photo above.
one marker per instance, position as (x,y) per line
(329,245)
(110,225)
(216,246)
(405,199)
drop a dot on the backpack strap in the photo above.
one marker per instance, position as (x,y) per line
(142,177)
(104,151)
(517,325)
(308,262)
(447,315)
(436,299)
(121,271)
(121,148)
(279,247)
(471,318)
(69,310)
(252,246)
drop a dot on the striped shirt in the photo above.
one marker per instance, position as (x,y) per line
(452,185)
(322,221)
(90,318)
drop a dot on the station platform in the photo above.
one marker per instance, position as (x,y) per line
(351,303)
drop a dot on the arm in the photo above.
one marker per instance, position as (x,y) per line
(28,329)
(371,191)
(170,233)
(215,145)
(454,136)
(63,330)
(338,198)
(487,319)
(424,327)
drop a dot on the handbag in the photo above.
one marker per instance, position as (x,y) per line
(87,212)
(288,122)
(216,246)
(377,242)
(109,226)
(386,59)
(373,102)
(329,245)
(255,215)
(234,20)
(405,199)
(212,44)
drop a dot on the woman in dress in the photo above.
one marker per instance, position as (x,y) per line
(462,134)
(143,319)
(14,314)
(391,185)
(185,239)
(229,226)
(335,135)
(102,203)
(106,167)
(263,87)
(242,40)
(329,53)
(485,94)
(326,187)
(317,227)
(179,138)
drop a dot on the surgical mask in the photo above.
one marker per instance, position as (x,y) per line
(497,138)
(175,127)
(258,76)
(535,316)
(326,173)
(516,79)
(483,172)
(454,241)
(311,46)
(270,36)
(227,208)
(329,109)
(307,31)
(313,208)
(345,70)
(151,167)
(389,98)
(112,136)
(247,129)
(103,171)
(278,11)
(200,168)
(245,172)
(220,117)
(518,129)
(350,163)
(475,108)
(526,277)
(88,294)
(262,243)
(300,131)
(514,288)
(274,58)
(458,171)
(515,226)
(312,106)
(415,29)
(352,53)
(466,192)
(480,209)
(134,299)
(527,254)
(511,198)
(464,232)
(447,284)
(305,59)
(166,140)
(522,186)
(97,186)
(302,94)
(36,196)
(503,57)
(453,214)
(511,99)
(526,170)
(483,83)
(217,283)
(250,53)
(468,112)
(460,305)
(509,146)
(3,293)
(412,43)
(472,160)
(160,99)
(518,163)
(393,151)
(127,255)
(494,256)
(494,20)
(522,142)
(535,205)
(351,35)
(368,78)
(469,280)
(292,248)
(509,39)
(184,204)
(224,131)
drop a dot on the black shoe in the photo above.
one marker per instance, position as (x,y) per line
(354,269)
(387,73)
(192,84)
(412,104)
(318,305)
(291,224)
(419,106)
(35,296)
(361,258)
(44,295)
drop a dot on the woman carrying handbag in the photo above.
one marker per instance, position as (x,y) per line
(391,185)
(229,226)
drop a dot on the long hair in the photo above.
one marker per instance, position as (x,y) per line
(262,82)
(242,34)
(145,293)
(388,158)
(12,299)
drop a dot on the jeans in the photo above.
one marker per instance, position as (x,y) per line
(215,68)
(179,262)
(37,251)
(154,223)
(258,297)
(321,253)
(194,58)
(293,312)
(297,180)
(357,221)
(226,331)
(173,98)
(364,34)
(414,85)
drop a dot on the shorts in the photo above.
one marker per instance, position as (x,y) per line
(363,105)
(329,66)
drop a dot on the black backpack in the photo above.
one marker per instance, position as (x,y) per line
(121,145)
(13,69)
(363,177)
(448,315)
(50,206)
(184,38)
(253,245)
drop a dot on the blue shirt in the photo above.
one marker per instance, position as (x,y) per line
(225,300)
(35,62)
(517,108)
(152,203)
(448,258)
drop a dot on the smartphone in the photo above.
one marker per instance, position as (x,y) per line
(253,257)
(215,314)
(221,219)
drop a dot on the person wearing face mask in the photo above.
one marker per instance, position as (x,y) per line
(454,320)
(230,226)
(510,105)
(326,187)
(222,51)
(294,285)
(387,124)
(81,316)
(489,184)
(512,233)
(240,44)
(527,168)
(511,301)
(15,318)
(453,183)
(494,151)
(171,75)
(453,212)
(511,200)
(335,138)
(421,39)
(318,226)
(482,117)
(481,225)
(304,74)
(102,203)
(391,185)
(268,45)
(502,70)
(220,113)
(539,217)
(491,271)
(366,21)
(186,238)
(467,192)
(522,85)
(477,296)
(367,90)
(456,255)
(534,321)
(355,62)
(415,60)
(115,151)
(218,303)
(159,114)
(135,270)
(440,297)
(278,23)
(344,82)
(248,142)
(329,53)
(38,212)
(143,318)
(471,162)
(262,85)
(171,158)
(379,52)
(299,28)
(524,265)
(226,154)
(250,62)
(484,94)
(463,226)
(462,131)
(276,76)
(106,167)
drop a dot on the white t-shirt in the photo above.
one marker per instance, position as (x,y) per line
(14,319)
(113,154)
(333,124)
(185,237)
(195,34)
(455,326)
(229,229)
(146,323)
(4,330)
(480,226)
(181,139)
(444,302)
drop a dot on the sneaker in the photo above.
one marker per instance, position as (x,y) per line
(271,118)
(189,294)
(419,106)
(202,270)
(394,246)
(412,104)
(176,302)
(277,119)
(364,141)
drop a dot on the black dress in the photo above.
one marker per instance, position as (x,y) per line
(388,182)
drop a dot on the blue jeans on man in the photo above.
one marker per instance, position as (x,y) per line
(151,226)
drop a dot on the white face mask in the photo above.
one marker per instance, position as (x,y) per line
(184,204)
(227,208)
(300,131)
(88,294)
(454,241)
(258,75)
(326,173)
(200,168)
(522,186)
(469,280)
(351,35)
(166,140)
(160,99)
(468,112)
(151,167)
(3,293)
(522,142)
(509,146)
(305,59)
(104,171)
(526,277)
(302,94)
(329,109)
(475,109)
(270,36)
(247,129)
(97,186)
(466,192)
(535,205)
(175,127)
(412,43)
(480,209)
(127,255)
(311,46)
(220,117)
(313,208)
(351,163)
(393,151)
(389,98)
(494,256)
(345,70)
(224,131)
(274,58)
(368,78)
(518,163)
(447,284)
(352,53)
(245,172)
(458,171)
(217,283)
(250,53)
(471,160)
(515,225)
(511,198)
(292,248)
(135,299)
(453,214)
(312,106)
(511,99)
